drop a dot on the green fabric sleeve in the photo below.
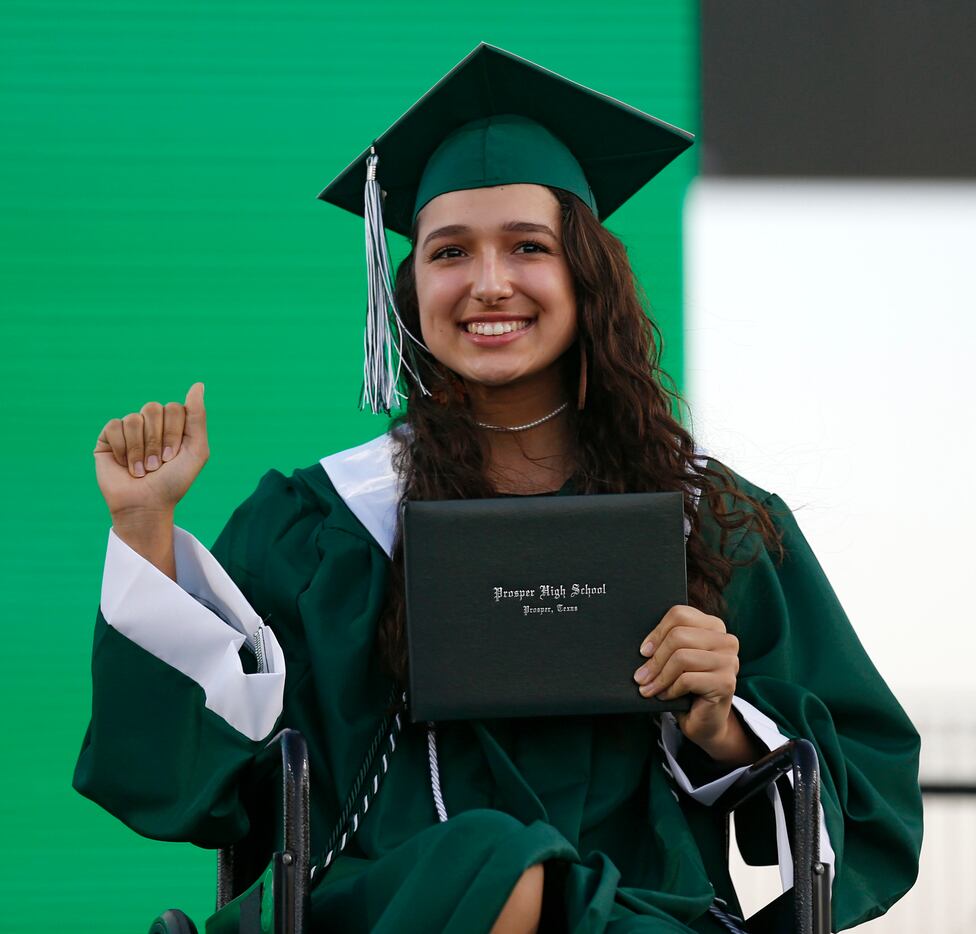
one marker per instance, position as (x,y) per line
(803,666)
(154,755)
(319,581)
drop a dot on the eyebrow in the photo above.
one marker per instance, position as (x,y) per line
(454,230)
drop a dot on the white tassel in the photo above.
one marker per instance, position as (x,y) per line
(383,339)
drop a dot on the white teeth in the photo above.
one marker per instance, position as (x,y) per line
(492,328)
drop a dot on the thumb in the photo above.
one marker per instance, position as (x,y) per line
(196,412)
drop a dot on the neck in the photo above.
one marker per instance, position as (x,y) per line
(536,460)
(517,403)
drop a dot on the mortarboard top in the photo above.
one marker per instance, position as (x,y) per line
(545,129)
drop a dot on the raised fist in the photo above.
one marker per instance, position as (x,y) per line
(147,460)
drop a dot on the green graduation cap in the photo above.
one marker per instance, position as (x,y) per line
(494,119)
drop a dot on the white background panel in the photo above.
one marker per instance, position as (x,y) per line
(830,339)
(831,330)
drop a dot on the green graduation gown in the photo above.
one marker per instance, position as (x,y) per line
(588,794)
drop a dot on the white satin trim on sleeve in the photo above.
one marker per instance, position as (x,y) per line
(164,618)
(768,733)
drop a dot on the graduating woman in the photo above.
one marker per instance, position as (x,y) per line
(517,334)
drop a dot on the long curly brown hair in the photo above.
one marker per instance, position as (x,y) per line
(627,438)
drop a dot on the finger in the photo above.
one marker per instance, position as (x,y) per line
(685,637)
(679,615)
(174,418)
(195,429)
(112,439)
(647,643)
(714,685)
(196,412)
(132,428)
(152,416)
(681,661)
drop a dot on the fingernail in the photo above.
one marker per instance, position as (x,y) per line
(647,649)
(648,689)
(139,470)
(167,454)
(152,462)
(640,674)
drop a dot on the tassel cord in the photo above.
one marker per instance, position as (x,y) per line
(386,353)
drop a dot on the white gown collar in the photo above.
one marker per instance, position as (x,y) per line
(365,479)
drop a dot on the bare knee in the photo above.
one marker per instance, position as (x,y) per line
(521,913)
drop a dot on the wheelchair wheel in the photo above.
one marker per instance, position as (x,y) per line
(173,921)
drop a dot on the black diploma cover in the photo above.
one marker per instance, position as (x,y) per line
(532,606)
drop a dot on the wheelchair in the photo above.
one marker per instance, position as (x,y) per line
(263,880)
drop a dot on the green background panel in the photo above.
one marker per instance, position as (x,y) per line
(158,225)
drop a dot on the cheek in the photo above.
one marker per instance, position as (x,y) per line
(560,298)
(436,300)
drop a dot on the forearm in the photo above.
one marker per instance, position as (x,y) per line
(149,534)
(735,746)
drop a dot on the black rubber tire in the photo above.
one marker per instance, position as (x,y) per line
(173,921)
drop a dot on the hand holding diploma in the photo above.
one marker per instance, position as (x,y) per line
(690,652)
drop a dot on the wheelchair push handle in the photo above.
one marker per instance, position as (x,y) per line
(811,889)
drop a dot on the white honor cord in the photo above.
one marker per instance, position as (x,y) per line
(435,772)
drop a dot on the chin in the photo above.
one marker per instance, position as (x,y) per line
(492,379)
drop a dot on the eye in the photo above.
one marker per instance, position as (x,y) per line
(443,252)
(536,247)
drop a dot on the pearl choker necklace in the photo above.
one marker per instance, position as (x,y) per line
(538,421)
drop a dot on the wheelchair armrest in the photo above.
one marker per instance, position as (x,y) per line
(275,790)
(811,889)
(763,772)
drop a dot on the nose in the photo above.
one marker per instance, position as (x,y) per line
(491,284)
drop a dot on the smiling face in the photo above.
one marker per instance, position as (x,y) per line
(493,286)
